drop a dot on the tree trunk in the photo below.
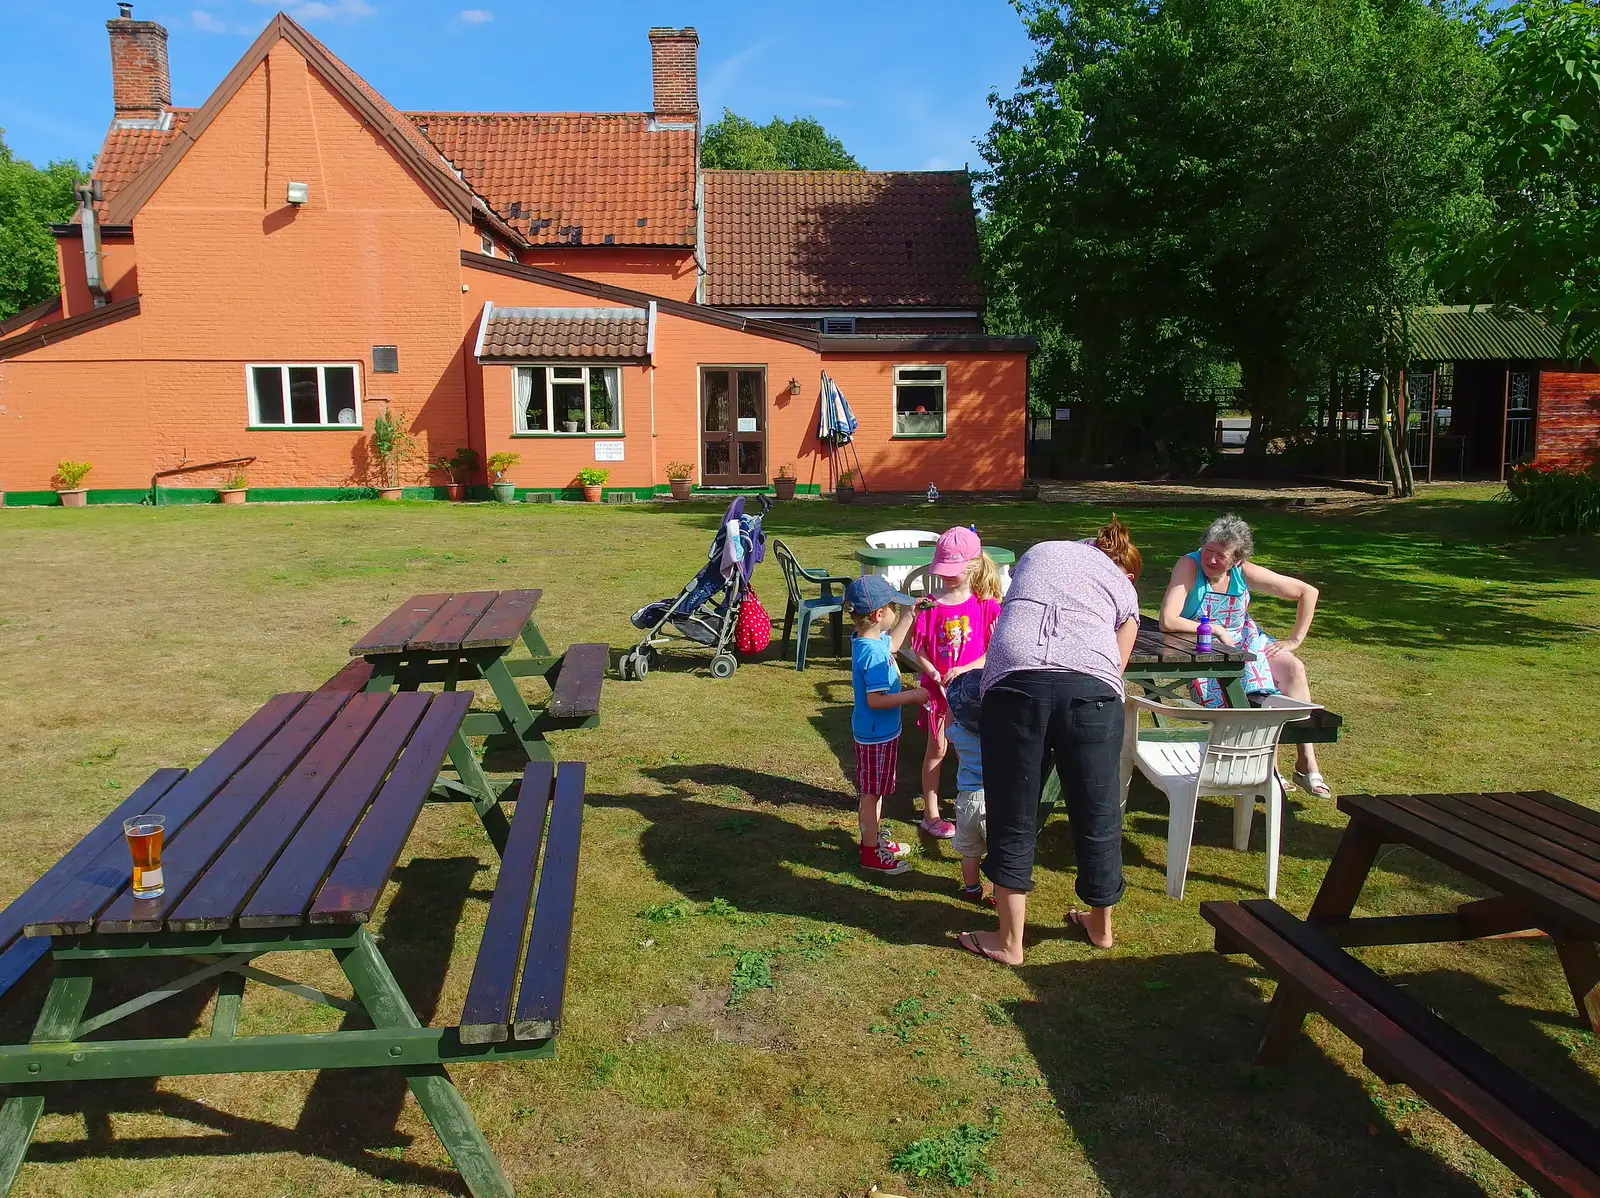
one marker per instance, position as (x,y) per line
(1264,392)
(1391,460)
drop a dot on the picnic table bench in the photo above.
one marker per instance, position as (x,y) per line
(448,639)
(1540,854)
(283,840)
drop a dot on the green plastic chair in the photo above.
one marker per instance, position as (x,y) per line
(829,603)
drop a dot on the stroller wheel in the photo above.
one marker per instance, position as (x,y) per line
(625,666)
(723,665)
(641,664)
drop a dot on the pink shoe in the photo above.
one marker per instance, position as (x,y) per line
(939,829)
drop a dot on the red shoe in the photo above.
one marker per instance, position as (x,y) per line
(898,849)
(876,859)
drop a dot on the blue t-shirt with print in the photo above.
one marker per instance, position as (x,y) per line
(872,669)
(969,756)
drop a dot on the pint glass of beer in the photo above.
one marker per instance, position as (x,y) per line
(144,842)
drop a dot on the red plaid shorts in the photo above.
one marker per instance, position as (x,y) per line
(878,767)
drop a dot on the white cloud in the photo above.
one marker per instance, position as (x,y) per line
(722,76)
(332,10)
(475,16)
(206,23)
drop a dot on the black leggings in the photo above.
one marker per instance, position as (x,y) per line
(1027,716)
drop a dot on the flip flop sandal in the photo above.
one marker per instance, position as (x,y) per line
(969,941)
(1313,783)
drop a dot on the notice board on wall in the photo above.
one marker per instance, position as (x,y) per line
(608,451)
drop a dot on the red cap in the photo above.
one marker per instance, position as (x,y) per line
(956,550)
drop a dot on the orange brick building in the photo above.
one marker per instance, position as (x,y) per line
(258,277)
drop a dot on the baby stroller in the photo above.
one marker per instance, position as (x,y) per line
(706,611)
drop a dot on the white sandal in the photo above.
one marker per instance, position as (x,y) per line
(1313,783)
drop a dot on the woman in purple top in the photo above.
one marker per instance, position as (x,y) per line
(1052,684)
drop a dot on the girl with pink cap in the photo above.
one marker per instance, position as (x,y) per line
(951,637)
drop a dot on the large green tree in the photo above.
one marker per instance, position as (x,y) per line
(31,200)
(737,144)
(1184,182)
(1542,249)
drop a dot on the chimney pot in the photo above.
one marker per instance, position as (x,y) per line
(141,85)
(674,71)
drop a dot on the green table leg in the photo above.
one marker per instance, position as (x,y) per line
(225,1017)
(484,800)
(534,640)
(63,1008)
(515,713)
(452,1119)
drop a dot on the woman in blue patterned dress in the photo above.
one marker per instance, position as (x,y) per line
(1217,579)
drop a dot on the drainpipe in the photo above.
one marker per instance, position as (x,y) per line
(186,468)
(88,196)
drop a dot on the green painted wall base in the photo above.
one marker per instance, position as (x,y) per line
(176,496)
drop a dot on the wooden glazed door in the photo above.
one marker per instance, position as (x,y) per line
(733,427)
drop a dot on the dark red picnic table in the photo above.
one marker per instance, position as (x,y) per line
(283,840)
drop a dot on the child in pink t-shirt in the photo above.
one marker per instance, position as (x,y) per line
(950,637)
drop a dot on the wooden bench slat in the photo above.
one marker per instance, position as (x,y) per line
(1553,809)
(108,832)
(452,621)
(228,881)
(544,975)
(397,628)
(72,912)
(1480,1114)
(576,694)
(186,854)
(1542,838)
(357,880)
(1549,1116)
(486,1015)
(283,896)
(502,624)
(1389,819)
(352,679)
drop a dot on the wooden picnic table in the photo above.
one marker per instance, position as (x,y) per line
(1538,852)
(282,840)
(448,639)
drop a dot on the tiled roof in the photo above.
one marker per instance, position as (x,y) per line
(574,178)
(126,152)
(1463,334)
(546,333)
(840,239)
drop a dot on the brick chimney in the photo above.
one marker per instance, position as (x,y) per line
(141,87)
(673,55)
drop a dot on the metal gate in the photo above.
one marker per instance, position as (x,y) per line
(1521,404)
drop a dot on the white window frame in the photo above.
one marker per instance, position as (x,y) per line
(944,399)
(486,244)
(253,414)
(518,408)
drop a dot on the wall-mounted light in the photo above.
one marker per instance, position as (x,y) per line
(299,193)
(794,386)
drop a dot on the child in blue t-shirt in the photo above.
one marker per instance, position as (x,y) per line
(883,619)
(971,839)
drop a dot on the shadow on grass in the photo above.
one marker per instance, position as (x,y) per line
(348,1112)
(1149,1061)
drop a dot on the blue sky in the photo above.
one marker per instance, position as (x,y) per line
(904,85)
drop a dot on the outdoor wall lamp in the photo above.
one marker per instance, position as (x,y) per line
(299,193)
(794,386)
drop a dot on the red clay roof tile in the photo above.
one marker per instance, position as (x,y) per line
(558,333)
(126,152)
(840,239)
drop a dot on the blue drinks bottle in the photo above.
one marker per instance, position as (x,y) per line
(1202,635)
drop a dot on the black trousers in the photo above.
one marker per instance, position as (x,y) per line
(1027,716)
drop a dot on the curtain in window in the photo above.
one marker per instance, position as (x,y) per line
(610,378)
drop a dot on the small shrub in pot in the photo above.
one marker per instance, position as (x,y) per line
(679,478)
(499,463)
(68,476)
(591,479)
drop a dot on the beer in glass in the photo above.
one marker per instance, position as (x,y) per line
(144,842)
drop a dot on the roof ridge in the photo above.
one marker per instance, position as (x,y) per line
(414,114)
(787,173)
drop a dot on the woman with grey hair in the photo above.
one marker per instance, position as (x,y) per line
(1216,580)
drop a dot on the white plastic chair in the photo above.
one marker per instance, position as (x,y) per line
(916,583)
(900,538)
(1238,758)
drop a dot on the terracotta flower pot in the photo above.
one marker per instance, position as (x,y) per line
(392,494)
(591,494)
(231,494)
(456,491)
(680,487)
(78,498)
(783,488)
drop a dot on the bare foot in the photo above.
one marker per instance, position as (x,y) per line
(986,944)
(1095,924)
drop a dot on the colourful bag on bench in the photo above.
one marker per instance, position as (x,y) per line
(753,632)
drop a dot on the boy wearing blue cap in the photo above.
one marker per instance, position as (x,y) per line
(883,618)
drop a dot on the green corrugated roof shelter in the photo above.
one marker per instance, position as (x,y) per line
(1463,333)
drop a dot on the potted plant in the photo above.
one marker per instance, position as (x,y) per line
(392,445)
(591,479)
(783,485)
(573,420)
(845,489)
(458,469)
(499,463)
(1030,488)
(233,491)
(678,478)
(68,476)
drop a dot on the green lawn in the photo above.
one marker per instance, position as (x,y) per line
(1462,658)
